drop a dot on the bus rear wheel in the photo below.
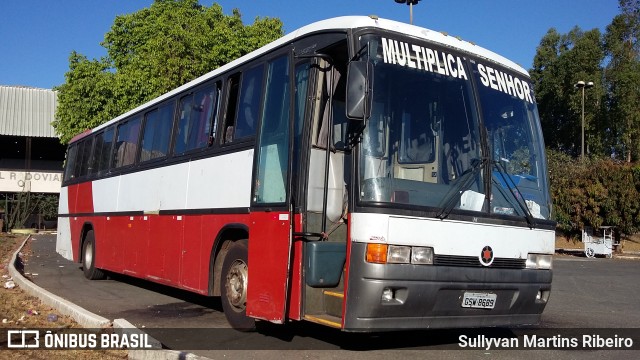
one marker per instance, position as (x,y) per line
(233,287)
(89,258)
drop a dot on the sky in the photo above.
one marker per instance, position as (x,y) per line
(37,36)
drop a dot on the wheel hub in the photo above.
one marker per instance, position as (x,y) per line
(236,285)
(88,255)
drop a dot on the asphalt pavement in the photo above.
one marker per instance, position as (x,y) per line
(142,303)
(587,293)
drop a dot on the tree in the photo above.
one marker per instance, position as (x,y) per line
(560,62)
(612,106)
(84,96)
(623,78)
(150,52)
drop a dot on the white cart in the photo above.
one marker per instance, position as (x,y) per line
(598,244)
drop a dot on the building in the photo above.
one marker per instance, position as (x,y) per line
(31,156)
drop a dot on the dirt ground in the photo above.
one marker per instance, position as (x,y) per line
(19,310)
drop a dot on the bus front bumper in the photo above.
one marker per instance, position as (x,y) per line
(384,297)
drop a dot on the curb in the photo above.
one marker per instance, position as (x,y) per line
(90,320)
(83,317)
(626,257)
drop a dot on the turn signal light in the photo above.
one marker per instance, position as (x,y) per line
(377,253)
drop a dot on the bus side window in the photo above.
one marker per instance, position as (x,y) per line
(127,143)
(233,85)
(83,157)
(102,150)
(249,109)
(197,122)
(273,153)
(70,162)
(182,133)
(157,132)
(204,117)
(79,154)
(97,153)
(339,121)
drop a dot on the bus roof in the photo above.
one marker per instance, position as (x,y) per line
(338,23)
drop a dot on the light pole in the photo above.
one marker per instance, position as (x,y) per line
(410,3)
(582,85)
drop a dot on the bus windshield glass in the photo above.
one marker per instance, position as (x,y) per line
(428,144)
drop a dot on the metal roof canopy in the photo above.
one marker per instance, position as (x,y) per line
(27,111)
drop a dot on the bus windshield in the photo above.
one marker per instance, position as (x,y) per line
(428,145)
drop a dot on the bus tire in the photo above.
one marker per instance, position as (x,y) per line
(89,258)
(233,287)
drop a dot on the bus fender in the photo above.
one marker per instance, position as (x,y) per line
(225,237)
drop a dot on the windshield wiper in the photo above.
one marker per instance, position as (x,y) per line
(513,188)
(454,194)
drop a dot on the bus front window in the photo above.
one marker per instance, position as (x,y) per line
(421,138)
(515,143)
(422,148)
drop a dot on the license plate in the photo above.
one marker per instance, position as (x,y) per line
(478,300)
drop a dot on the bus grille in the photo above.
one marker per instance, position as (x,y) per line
(471,261)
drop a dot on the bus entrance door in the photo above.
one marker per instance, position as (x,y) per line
(270,219)
(269,249)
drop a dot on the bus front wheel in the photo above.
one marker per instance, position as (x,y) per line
(233,289)
(89,258)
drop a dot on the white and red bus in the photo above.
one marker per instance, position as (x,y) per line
(359,173)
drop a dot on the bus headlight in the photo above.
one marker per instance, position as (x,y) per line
(422,255)
(539,261)
(399,254)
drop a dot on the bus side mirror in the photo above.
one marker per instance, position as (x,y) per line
(359,90)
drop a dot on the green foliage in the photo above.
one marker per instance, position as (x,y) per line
(48,206)
(612,107)
(560,62)
(151,52)
(21,207)
(83,97)
(598,192)
(623,78)
(25,208)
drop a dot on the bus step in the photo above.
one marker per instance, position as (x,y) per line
(333,302)
(334,293)
(324,319)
